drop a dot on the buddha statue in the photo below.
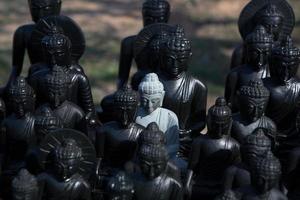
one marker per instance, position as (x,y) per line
(63,180)
(21,40)
(277,18)
(284,90)
(227,195)
(153,182)
(120,187)
(185,95)
(212,154)
(252,100)
(254,146)
(258,48)
(152,93)
(265,175)
(116,141)
(25,186)
(153,11)
(57,84)
(18,127)
(56,47)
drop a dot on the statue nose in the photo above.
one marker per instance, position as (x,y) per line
(151,172)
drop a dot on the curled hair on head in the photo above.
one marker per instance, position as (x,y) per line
(254,89)
(152,136)
(126,96)
(259,35)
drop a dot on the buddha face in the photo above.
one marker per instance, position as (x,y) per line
(22,105)
(262,183)
(57,96)
(252,108)
(126,114)
(43,8)
(258,54)
(155,15)
(284,68)
(151,102)
(65,168)
(273,25)
(251,153)
(152,168)
(174,64)
(218,127)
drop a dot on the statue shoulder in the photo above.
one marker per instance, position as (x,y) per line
(23,29)
(37,69)
(171,115)
(77,68)
(129,41)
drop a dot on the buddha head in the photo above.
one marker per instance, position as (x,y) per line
(155,11)
(126,104)
(25,186)
(56,47)
(266,173)
(175,56)
(152,136)
(151,92)
(227,195)
(253,99)
(255,145)
(43,8)
(21,97)
(67,158)
(57,83)
(271,19)
(219,119)
(285,61)
(153,160)
(258,47)
(120,187)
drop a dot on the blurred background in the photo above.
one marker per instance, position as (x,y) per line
(211,25)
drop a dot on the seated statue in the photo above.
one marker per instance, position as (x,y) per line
(25,186)
(18,127)
(63,180)
(185,95)
(153,182)
(253,100)
(57,47)
(254,146)
(21,40)
(153,11)
(258,45)
(116,141)
(277,17)
(284,89)
(152,93)
(57,83)
(265,175)
(212,154)
(120,187)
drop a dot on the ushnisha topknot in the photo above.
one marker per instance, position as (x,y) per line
(220,111)
(287,49)
(179,44)
(151,85)
(259,35)
(152,136)
(68,150)
(55,40)
(125,96)
(270,10)
(155,7)
(254,89)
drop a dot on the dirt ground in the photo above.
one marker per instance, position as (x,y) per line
(210,24)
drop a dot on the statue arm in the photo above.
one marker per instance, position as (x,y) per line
(199,103)
(177,191)
(173,137)
(126,57)
(230,88)
(85,95)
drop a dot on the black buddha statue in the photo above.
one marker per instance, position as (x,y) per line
(277,17)
(116,141)
(254,146)
(25,186)
(21,41)
(284,90)
(265,175)
(185,95)
(153,182)
(56,47)
(120,187)
(211,154)
(68,157)
(18,127)
(153,11)
(258,48)
(57,84)
(253,100)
